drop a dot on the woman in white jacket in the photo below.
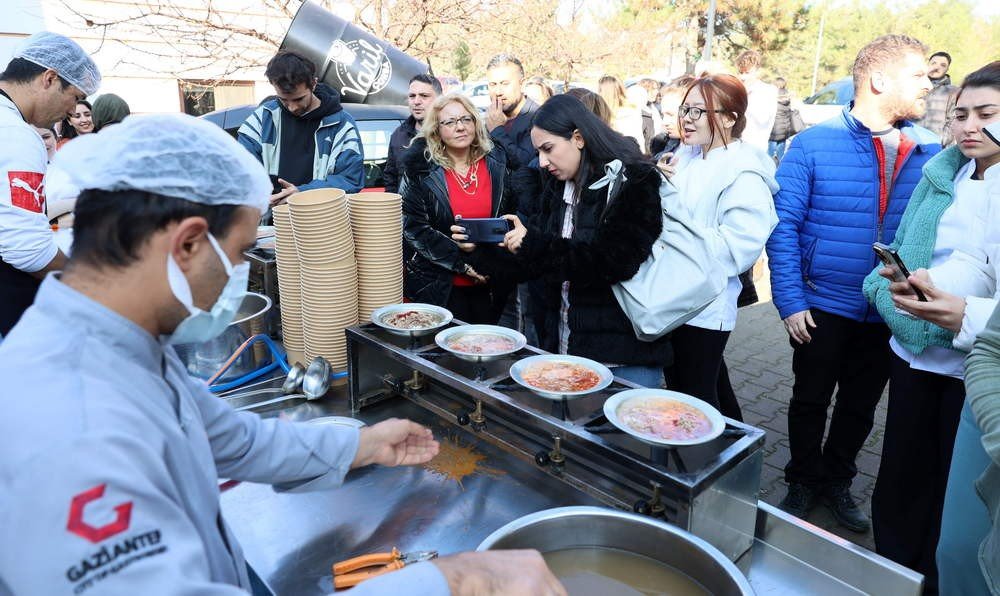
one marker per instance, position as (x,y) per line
(727,185)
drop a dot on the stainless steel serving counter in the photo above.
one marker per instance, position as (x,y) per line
(291,540)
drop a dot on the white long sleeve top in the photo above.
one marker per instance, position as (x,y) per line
(729,192)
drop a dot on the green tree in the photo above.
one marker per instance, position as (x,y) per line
(947,25)
(461,61)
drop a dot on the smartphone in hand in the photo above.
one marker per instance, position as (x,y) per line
(487,230)
(891,259)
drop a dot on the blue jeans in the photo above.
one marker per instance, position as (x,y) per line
(647,376)
(776,149)
(966,521)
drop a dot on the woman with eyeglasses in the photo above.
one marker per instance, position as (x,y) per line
(580,243)
(727,185)
(452,171)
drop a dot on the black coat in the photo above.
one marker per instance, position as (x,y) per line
(427,221)
(400,138)
(608,245)
(782,118)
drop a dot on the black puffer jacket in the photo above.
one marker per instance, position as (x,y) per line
(427,219)
(608,246)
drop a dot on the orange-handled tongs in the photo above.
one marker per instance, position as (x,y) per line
(354,571)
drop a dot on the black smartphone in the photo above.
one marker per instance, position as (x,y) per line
(890,258)
(485,231)
(275,185)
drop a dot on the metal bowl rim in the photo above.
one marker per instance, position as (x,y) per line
(267,306)
(584,511)
(611,413)
(516,370)
(378,313)
(337,421)
(519,340)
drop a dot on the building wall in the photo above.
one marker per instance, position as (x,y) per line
(144,65)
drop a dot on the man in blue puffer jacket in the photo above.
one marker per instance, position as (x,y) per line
(844,185)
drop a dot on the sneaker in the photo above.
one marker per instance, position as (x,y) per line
(799,501)
(841,504)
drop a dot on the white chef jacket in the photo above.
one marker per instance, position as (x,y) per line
(111,457)
(26,241)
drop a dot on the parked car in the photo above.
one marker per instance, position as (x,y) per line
(560,87)
(479,93)
(449,83)
(827,102)
(375,125)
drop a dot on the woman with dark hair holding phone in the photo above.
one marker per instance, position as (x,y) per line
(726,184)
(581,242)
(451,171)
(79,123)
(945,238)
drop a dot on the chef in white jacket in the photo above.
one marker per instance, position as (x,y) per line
(111,454)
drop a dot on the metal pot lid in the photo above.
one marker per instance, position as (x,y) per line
(517,370)
(337,421)
(615,402)
(443,337)
(387,311)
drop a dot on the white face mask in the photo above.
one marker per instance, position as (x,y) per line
(199,325)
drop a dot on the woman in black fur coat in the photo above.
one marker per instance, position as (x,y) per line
(453,170)
(581,244)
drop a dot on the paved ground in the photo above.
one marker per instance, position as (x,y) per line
(760,367)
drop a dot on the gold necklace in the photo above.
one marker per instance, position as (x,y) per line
(470,180)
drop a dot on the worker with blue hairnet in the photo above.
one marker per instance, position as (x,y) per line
(48,74)
(112,454)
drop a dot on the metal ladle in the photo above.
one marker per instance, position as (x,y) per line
(293,380)
(313,381)
(316,381)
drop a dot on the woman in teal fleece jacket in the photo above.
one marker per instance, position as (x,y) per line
(943,221)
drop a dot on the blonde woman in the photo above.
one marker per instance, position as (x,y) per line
(626,116)
(452,171)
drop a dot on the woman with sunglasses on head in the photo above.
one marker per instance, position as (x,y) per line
(452,171)
(726,184)
(582,241)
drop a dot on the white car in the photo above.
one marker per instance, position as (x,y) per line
(479,93)
(827,102)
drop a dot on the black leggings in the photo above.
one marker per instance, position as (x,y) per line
(700,370)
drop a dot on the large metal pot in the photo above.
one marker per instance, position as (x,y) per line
(575,527)
(204,359)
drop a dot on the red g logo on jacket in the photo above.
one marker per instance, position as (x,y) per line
(95,534)
(27,190)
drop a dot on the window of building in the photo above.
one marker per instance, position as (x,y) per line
(201,97)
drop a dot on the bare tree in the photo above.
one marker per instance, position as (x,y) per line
(181,39)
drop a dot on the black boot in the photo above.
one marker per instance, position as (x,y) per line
(837,497)
(799,501)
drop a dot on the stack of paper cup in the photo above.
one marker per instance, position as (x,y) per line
(376,220)
(289,285)
(322,233)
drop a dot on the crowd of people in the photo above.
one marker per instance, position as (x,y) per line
(167,204)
